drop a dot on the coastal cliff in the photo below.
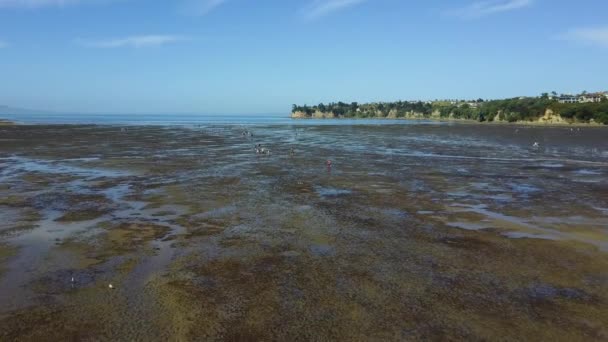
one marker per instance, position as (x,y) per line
(378,115)
(549,118)
(315,115)
(529,110)
(552,118)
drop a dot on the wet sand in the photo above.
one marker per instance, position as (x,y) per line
(422,231)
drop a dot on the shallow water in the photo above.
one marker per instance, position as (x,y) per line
(209,240)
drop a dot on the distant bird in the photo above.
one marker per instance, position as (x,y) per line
(535,144)
(111,287)
(73,279)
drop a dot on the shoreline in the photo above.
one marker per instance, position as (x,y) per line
(470,121)
(8,123)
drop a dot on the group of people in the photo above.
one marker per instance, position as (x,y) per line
(261,150)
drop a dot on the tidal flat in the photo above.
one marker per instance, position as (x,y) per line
(415,232)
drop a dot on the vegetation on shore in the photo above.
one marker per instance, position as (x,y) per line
(510,110)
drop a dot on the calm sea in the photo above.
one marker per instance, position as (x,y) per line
(190,119)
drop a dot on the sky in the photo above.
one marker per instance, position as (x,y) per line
(262,56)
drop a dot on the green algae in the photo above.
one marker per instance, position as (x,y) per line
(265,255)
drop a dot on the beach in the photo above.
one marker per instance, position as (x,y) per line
(434,231)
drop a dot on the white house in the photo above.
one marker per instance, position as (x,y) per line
(568,99)
(590,98)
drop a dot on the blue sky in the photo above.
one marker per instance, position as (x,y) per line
(260,56)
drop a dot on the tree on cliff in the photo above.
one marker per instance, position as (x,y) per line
(515,109)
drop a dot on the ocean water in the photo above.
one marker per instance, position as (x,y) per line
(193,119)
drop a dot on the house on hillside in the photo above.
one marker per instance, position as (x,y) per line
(568,99)
(591,98)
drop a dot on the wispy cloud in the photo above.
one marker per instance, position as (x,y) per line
(597,36)
(200,7)
(484,8)
(132,41)
(192,7)
(37,3)
(320,8)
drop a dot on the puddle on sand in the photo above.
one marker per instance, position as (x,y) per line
(524,189)
(16,166)
(468,225)
(604,211)
(9,217)
(331,192)
(164,253)
(522,235)
(34,246)
(322,250)
(510,222)
(552,165)
(587,172)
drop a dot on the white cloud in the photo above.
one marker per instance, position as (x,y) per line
(132,41)
(320,8)
(588,36)
(195,7)
(200,7)
(36,3)
(484,8)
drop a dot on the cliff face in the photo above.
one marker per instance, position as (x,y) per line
(315,115)
(378,114)
(323,115)
(299,115)
(414,115)
(550,117)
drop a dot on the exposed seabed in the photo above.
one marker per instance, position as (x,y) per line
(414,232)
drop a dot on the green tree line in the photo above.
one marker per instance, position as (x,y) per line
(511,110)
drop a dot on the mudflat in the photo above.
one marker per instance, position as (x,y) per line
(422,231)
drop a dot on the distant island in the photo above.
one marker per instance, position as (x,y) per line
(549,108)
